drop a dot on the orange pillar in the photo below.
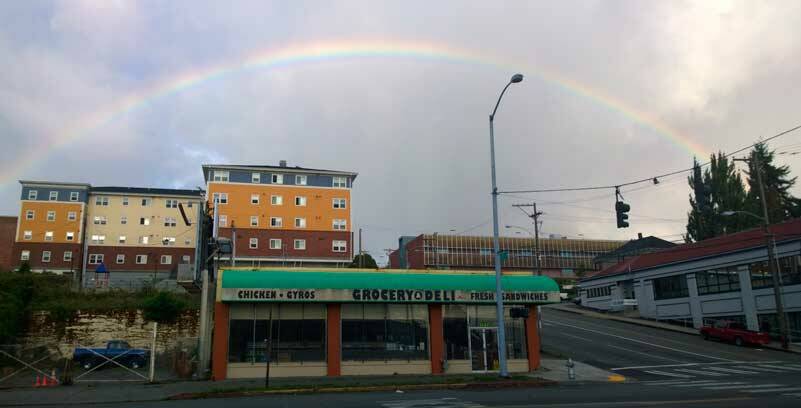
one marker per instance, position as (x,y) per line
(334,339)
(219,352)
(532,339)
(437,338)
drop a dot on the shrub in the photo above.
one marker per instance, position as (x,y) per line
(163,307)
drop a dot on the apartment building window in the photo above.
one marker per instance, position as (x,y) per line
(125,201)
(95,259)
(223,220)
(53,196)
(166,260)
(51,215)
(300,180)
(340,225)
(254,243)
(123,220)
(189,204)
(171,203)
(102,201)
(25,255)
(168,241)
(221,198)
(300,244)
(32,194)
(170,221)
(340,182)
(300,201)
(278,179)
(122,239)
(67,256)
(144,239)
(339,246)
(670,287)
(48,235)
(220,175)
(70,236)
(120,258)
(275,243)
(599,292)
(187,241)
(300,223)
(146,202)
(141,259)
(74,196)
(340,203)
(98,239)
(255,178)
(186,259)
(717,281)
(27,235)
(100,220)
(72,216)
(144,221)
(276,222)
(45,256)
(254,198)
(30,214)
(254,221)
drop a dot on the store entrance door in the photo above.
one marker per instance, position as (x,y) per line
(484,349)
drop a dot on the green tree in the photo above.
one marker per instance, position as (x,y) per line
(699,219)
(718,188)
(777,182)
(363,261)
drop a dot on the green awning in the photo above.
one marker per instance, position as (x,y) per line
(286,285)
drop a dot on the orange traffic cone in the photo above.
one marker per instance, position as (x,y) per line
(53,379)
(38,382)
(44,381)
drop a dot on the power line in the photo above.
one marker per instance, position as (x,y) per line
(653,179)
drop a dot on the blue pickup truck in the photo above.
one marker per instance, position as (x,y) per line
(118,350)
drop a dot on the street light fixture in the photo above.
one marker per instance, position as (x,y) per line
(516,78)
(774,273)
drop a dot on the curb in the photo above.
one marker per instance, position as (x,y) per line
(409,387)
(642,323)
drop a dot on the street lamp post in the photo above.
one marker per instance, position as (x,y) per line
(516,78)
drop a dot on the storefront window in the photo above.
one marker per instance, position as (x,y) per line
(458,320)
(384,332)
(718,281)
(454,327)
(515,337)
(670,287)
(760,275)
(298,333)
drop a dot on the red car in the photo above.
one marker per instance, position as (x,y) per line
(735,332)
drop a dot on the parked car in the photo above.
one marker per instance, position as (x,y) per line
(736,332)
(118,350)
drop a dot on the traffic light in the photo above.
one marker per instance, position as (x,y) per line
(622,210)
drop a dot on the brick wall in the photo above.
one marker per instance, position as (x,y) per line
(8,229)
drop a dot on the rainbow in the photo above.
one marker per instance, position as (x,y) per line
(306,53)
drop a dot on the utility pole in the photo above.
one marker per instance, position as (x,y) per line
(535,216)
(360,247)
(774,272)
(233,243)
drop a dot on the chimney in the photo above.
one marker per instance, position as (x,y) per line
(282,163)
(639,235)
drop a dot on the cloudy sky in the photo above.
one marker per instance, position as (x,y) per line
(140,93)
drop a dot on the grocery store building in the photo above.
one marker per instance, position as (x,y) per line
(331,322)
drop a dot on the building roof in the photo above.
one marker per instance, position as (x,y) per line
(740,241)
(291,169)
(53,183)
(147,191)
(636,246)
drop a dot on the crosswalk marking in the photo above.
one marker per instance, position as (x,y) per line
(742,387)
(729,370)
(758,368)
(670,382)
(775,390)
(787,367)
(699,372)
(793,395)
(710,383)
(668,374)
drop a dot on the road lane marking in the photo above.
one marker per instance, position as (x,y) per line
(743,387)
(780,367)
(643,342)
(758,368)
(729,370)
(700,372)
(710,383)
(668,382)
(576,337)
(692,365)
(645,354)
(775,390)
(669,374)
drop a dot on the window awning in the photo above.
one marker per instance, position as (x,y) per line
(309,285)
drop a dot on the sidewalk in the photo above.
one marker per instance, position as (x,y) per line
(551,372)
(572,308)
